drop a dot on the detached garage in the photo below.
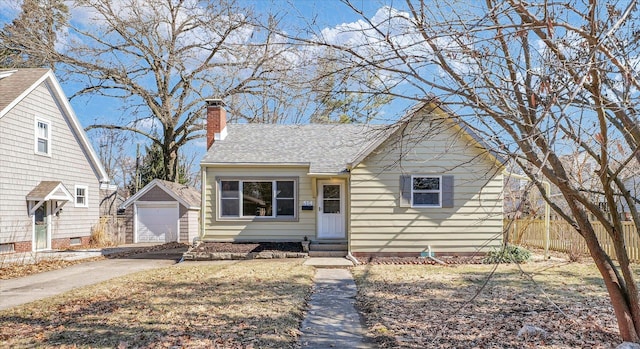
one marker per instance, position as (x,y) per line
(162,212)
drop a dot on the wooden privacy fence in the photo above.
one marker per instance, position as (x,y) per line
(563,238)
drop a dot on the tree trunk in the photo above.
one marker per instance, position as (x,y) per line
(625,307)
(171,164)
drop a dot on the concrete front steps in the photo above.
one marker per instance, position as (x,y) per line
(328,249)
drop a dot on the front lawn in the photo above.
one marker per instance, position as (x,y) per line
(194,305)
(414,306)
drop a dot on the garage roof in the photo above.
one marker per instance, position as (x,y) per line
(184,194)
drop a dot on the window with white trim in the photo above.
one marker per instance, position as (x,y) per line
(426,191)
(42,137)
(257,198)
(81,196)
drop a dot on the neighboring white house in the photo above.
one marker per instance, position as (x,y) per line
(422,185)
(50,176)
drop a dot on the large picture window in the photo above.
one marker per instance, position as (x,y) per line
(426,191)
(257,198)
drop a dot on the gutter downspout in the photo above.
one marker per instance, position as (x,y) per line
(349,256)
(203,190)
(431,256)
(547,210)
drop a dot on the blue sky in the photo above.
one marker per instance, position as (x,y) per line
(294,14)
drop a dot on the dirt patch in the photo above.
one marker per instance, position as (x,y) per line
(236,247)
(420,260)
(131,251)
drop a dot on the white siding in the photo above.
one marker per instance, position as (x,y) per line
(21,170)
(380,225)
(264,230)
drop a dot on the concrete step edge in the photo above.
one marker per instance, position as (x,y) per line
(328,247)
(327,253)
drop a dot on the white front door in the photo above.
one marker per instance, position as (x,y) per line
(331,210)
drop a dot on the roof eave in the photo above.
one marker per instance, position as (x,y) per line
(442,108)
(75,123)
(157,183)
(328,174)
(253,164)
(392,129)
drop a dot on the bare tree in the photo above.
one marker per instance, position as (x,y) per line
(26,41)
(537,80)
(162,58)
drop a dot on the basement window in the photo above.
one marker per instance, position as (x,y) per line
(7,248)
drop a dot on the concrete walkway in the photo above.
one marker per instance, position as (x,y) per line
(34,287)
(332,320)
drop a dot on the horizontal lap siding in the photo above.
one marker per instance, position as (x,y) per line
(380,225)
(189,227)
(156,194)
(21,170)
(226,230)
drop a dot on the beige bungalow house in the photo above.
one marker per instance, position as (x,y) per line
(424,185)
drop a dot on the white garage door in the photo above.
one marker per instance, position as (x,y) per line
(157,223)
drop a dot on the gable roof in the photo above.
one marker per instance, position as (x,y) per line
(16,84)
(49,190)
(326,149)
(184,194)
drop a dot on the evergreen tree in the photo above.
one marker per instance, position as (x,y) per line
(151,166)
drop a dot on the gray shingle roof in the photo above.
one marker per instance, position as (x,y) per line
(325,148)
(15,84)
(186,195)
(46,189)
(189,194)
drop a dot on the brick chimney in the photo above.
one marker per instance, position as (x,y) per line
(216,121)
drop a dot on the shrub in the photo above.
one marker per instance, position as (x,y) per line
(508,254)
(102,235)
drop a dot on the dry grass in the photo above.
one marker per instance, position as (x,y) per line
(408,306)
(193,305)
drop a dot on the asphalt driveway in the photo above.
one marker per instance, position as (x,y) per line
(27,289)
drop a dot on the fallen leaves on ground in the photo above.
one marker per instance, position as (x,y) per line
(414,306)
(16,270)
(193,305)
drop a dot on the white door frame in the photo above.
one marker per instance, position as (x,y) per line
(152,204)
(339,218)
(47,220)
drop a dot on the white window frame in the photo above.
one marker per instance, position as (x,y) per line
(36,129)
(86,195)
(439,191)
(274,186)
